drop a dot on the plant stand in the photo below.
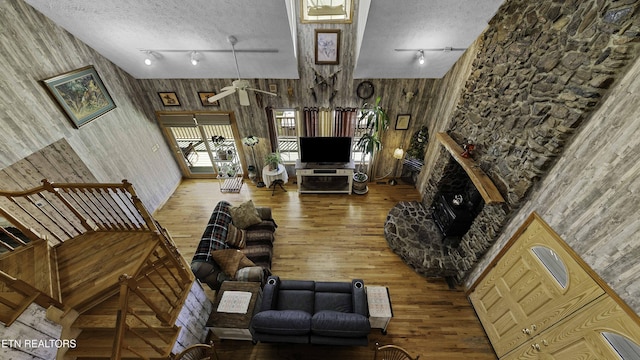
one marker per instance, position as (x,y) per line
(230,184)
(360,186)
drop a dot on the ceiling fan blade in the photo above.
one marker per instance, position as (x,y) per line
(225,93)
(244,97)
(262,91)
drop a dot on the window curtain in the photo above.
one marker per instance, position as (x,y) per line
(310,118)
(326,125)
(319,122)
(273,133)
(345,122)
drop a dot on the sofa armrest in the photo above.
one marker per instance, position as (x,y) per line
(264,212)
(270,293)
(359,298)
(208,273)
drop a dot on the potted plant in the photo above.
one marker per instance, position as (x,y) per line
(273,159)
(228,170)
(377,122)
(218,142)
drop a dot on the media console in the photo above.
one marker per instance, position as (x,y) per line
(324,178)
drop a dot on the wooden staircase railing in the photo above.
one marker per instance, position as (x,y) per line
(162,288)
(149,301)
(58,212)
(16,295)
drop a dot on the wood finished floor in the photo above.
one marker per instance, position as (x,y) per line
(333,237)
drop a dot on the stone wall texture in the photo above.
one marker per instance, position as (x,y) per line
(540,71)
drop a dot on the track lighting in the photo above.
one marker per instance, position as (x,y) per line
(420,52)
(194,58)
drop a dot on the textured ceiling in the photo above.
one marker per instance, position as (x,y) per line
(120,29)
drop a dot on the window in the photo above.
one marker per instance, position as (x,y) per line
(286,134)
(361,128)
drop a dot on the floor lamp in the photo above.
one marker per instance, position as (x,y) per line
(397,154)
(251,141)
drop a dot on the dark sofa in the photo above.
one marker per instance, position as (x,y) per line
(256,246)
(297,311)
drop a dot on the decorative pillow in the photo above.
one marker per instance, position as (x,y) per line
(236,237)
(245,215)
(230,261)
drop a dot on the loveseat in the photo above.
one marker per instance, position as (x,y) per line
(297,311)
(237,244)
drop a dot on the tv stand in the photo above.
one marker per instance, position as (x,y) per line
(324,178)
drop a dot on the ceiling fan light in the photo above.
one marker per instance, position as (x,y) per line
(194,58)
(147,60)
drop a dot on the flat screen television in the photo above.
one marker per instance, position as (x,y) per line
(325,149)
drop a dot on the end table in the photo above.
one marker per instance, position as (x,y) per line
(232,313)
(380,312)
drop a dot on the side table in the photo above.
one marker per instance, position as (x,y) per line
(276,177)
(380,312)
(232,313)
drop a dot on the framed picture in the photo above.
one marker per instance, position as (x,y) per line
(273,88)
(81,94)
(402,121)
(327,46)
(204,96)
(169,98)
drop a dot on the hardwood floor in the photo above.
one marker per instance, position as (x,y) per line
(332,237)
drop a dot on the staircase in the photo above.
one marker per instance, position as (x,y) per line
(92,254)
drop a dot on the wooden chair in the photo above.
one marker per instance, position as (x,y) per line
(392,352)
(198,352)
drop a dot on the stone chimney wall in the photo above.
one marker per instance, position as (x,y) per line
(541,70)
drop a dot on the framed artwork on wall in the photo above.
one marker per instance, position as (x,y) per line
(81,94)
(203,95)
(169,98)
(327,46)
(402,121)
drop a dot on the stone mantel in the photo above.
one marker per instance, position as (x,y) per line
(483,183)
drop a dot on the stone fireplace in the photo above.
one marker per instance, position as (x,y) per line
(448,176)
(435,242)
(538,73)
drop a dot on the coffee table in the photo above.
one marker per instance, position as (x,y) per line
(235,305)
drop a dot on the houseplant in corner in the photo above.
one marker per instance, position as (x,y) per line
(377,122)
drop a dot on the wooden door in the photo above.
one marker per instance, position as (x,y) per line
(521,296)
(581,336)
(206,144)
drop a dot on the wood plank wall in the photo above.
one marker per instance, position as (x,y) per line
(113,147)
(31,325)
(57,162)
(252,119)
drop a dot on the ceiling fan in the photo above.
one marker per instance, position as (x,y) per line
(239,85)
